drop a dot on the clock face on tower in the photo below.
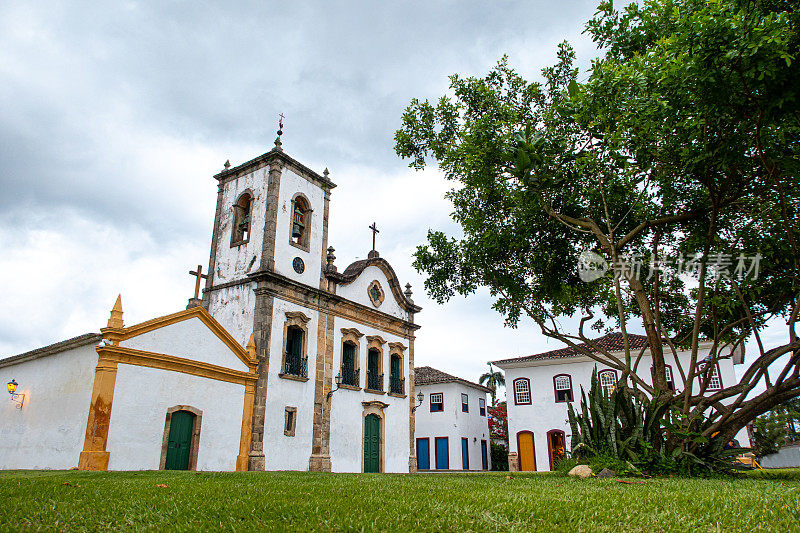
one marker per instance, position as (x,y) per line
(298,265)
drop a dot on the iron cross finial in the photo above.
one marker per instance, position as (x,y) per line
(280,123)
(375,230)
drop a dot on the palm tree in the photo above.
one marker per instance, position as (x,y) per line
(492,379)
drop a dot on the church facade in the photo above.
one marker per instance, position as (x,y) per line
(285,363)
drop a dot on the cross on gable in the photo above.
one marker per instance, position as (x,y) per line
(375,230)
(199,275)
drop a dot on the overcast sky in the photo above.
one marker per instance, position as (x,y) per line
(116,115)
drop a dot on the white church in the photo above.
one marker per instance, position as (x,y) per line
(285,363)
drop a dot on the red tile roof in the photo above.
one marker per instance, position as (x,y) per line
(612,343)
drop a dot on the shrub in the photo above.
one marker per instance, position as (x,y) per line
(499,458)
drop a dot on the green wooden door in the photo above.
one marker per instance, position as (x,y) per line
(372,444)
(180,441)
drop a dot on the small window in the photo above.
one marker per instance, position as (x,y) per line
(563,387)
(712,375)
(301,223)
(290,421)
(522,391)
(349,373)
(464,403)
(668,373)
(482,406)
(608,380)
(437,402)
(241,220)
(295,364)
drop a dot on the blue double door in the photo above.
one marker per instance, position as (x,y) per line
(441,454)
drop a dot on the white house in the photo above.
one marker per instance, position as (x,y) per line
(324,382)
(452,428)
(539,388)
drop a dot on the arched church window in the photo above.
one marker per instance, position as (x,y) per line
(241,220)
(301,222)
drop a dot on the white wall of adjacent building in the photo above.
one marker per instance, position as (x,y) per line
(544,414)
(48,432)
(454,424)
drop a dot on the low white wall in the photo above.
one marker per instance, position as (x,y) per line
(141,398)
(48,432)
(788,457)
(453,424)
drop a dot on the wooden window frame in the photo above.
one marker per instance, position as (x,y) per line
(289,429)
(305,240)
(237,239)
(482,406)
(375,342)
(607,371)
(299,320)
(464,404)
(706,375)
(354,336)
(430,400)
(514,388)
(555,389)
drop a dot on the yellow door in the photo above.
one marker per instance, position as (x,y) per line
(527,459)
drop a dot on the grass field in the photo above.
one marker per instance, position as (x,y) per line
(181,501)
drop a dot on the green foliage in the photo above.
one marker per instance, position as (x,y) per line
(499,458)
(492,379)
(776,427)
(682,142)
(630,435)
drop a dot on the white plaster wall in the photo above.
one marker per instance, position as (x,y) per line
(141,398)
(234,308)
(291,184)
(544,414)
(235,263)
(454,424)
(283,452)
(49,430)
(357,292)
(787,457)
(190,339)
(347,412)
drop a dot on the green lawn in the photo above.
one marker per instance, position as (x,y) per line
(434,502)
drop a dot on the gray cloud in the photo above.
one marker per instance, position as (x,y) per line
(116,115)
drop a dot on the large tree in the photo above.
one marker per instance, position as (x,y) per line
(681,145)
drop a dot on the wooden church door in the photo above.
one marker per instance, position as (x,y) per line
(180,440)
(372,445)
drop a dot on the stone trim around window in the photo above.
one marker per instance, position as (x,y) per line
(300,320)
(305,239)
(289,421)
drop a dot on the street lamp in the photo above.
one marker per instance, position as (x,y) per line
(420,397)
(15,397)
(338,384)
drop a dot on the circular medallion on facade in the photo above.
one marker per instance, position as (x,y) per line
(298,265)
(375,292)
